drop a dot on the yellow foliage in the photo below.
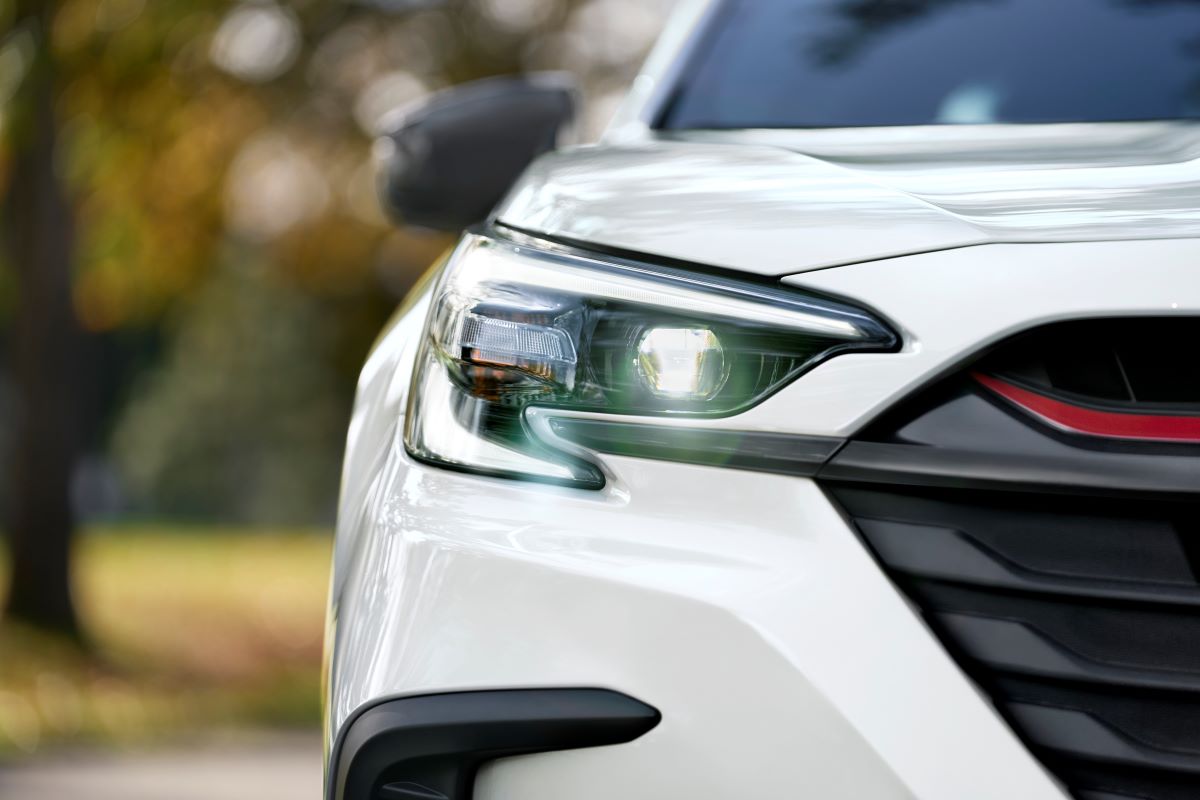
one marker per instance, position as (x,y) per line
(192,628)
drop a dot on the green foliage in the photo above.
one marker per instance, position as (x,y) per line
(246,413)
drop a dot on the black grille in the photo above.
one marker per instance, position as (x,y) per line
(1135,361)
(1061,572)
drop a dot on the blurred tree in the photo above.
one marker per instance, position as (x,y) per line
(231,265)
(39,236)
(247,396)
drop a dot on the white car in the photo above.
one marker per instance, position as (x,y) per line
(830,429)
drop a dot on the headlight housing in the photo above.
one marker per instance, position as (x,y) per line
(513,325)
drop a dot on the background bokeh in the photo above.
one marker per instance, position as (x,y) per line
(227,268)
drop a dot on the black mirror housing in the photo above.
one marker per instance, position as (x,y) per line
(446,164)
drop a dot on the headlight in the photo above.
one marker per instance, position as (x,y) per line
(513,326)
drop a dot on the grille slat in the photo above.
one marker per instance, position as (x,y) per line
(946,554)
(1007,645)
(1079,734)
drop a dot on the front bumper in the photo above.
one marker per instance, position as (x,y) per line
(741,605)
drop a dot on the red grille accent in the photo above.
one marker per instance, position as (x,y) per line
(1093,422)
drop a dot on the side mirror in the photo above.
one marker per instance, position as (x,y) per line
(449,161)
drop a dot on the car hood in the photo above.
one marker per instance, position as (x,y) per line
(781,202)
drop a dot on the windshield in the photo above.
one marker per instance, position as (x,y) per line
(856,63)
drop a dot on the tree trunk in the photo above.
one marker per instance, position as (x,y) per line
(46,338)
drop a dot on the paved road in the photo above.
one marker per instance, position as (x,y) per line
(252,768)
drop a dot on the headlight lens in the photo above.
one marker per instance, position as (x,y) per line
(512,326)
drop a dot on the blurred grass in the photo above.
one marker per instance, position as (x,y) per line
(191,629)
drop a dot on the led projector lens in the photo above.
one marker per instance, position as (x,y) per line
(682,362)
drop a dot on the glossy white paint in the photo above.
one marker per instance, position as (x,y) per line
(768,203)
(382,395)
(982,148)
(746,207)
(954,303)
(740,604)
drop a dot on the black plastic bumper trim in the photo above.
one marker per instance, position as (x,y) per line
(431,746)
(1088,472)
